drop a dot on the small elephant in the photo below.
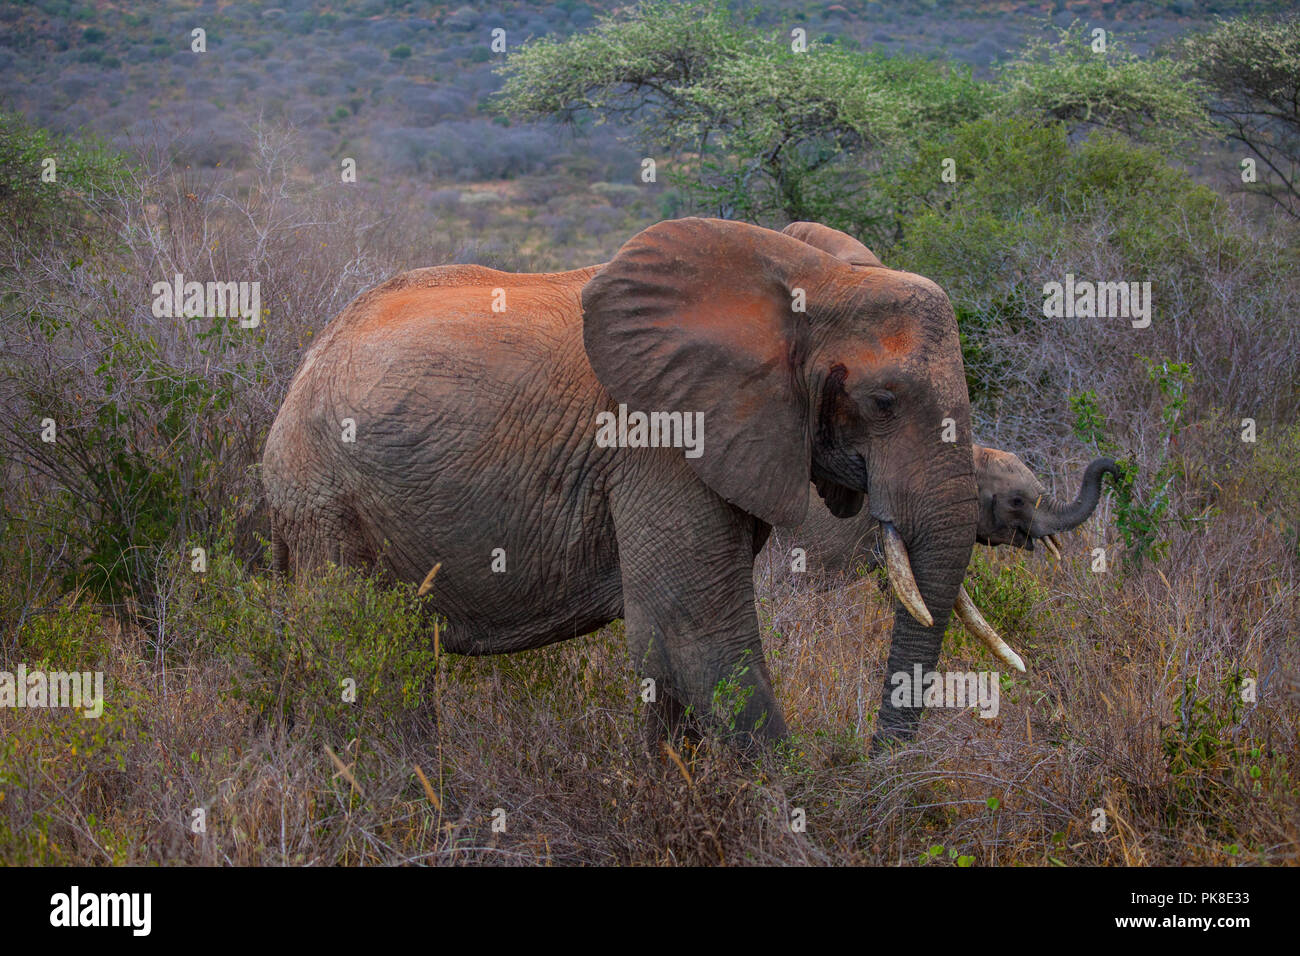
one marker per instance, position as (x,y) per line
(617,441)
(1014,509)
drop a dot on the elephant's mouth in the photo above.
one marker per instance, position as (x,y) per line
(845,502)
(1051,542)
(844,488)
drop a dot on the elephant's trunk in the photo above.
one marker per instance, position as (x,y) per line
(1054,516)
(938,547)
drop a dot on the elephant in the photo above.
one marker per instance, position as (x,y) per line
(470,429)
(1014,509)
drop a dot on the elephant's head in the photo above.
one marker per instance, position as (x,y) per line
(804,365)
(1015,509)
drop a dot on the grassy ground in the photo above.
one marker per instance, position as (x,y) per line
(1132,706)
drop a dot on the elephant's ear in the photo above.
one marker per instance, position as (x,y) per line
(699,315)
(839,244)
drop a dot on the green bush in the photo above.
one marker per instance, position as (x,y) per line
(1029,206)
(1213,765)
(69,637)
(84,168)
(1023,188)
(138,453)
(1009,595)
(293,645)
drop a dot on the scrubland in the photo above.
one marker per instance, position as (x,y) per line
(1158,721)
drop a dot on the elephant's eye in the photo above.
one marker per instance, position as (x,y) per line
(883,401)
(1017,502)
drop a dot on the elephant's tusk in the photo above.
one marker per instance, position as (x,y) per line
(900,574)
(1051,546)
(970,615)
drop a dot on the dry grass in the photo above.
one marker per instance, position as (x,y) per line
(553,738)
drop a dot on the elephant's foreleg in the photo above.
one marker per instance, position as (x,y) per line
(688,597)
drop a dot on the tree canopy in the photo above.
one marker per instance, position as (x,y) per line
(764,125)
(1251,69)
(759,128)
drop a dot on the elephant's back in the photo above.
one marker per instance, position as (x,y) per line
(475,311)
(448,322)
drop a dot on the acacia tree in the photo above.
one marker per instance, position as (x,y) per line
(765,129)
(759,126)
(1090,79)
(1251,68)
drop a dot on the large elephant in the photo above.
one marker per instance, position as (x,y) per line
(1014,509)
(460,419)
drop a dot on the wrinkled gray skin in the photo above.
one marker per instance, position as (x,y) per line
(475,431)
(1014,509)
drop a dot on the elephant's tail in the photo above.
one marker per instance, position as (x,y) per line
(279,551)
